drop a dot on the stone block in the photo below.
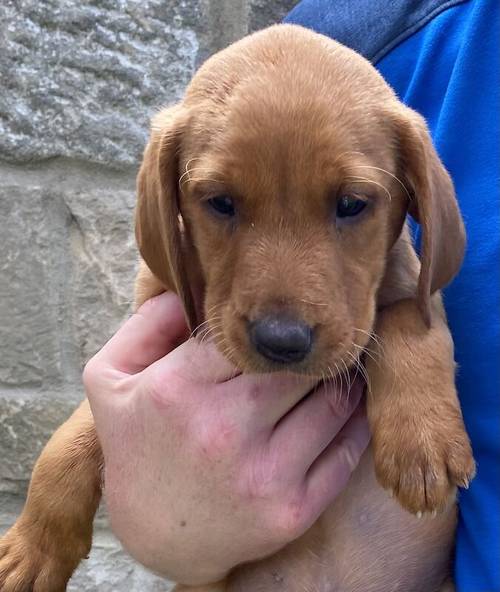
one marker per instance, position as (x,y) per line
(68,265)
(104,259)
(31,296)
(27,420)
(263,13)
(81,79)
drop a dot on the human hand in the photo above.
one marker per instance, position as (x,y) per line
(205,468)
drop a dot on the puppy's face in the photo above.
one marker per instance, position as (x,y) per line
(288,182)
(291,222)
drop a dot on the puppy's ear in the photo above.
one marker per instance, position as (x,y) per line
(433,205)
(163,242)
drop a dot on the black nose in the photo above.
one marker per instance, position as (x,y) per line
(281,339)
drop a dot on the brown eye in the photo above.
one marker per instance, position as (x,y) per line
(223,205)
(349,206)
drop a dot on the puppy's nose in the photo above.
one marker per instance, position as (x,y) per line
(281,339)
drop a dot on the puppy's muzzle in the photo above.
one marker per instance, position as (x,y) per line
(281,339)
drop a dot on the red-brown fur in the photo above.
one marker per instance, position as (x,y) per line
(286,121)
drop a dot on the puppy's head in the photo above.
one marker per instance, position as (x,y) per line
(271,196)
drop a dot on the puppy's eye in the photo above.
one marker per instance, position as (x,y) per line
(223,205)
(349,206)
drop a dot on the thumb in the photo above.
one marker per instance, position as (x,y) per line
(152,332)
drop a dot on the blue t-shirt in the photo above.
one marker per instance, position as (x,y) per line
(443,59)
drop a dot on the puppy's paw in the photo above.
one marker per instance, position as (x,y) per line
(31,560)
(421,462)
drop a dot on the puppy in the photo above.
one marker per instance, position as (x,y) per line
(274,198)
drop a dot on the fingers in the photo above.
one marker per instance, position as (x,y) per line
(263,399)
(152,332)
(308,429)
(330,473)
(194,362)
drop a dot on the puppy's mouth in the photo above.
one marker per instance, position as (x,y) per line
(292,348)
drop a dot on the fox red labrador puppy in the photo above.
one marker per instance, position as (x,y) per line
(274,198)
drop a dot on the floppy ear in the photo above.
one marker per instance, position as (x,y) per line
(433,205)
(163,242)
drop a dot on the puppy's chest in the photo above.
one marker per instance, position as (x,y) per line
(313,573)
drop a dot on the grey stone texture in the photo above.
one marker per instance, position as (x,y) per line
(79,81)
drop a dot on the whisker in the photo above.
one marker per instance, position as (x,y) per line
(330,378)
(209,320)
(210,330)
(365,180)
(339,375)
(371,335)
(199,179)
(347,375)
(187,171)
(355,360)
(362,371)
(313,303)
(213,308)
(366,166)
(365,350)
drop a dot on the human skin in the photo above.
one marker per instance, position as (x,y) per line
(206,468)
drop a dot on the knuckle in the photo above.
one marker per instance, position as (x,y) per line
(217,438)
(262,477)
(91,374)
(350,453)
(291,519)
(339,408)
(253,391)
(165,388)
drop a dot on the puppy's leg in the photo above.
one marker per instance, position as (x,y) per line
(421,449)
(54,532)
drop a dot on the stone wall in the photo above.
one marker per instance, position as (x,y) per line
(79,81)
